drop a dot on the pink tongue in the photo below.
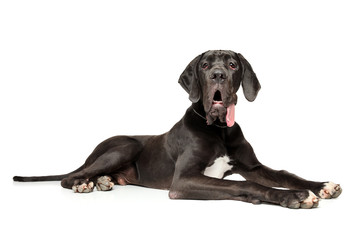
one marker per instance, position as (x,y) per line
(230,115)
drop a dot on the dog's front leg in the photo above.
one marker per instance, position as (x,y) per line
(207,188)
(273,178)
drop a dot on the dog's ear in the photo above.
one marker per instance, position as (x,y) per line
(189,80)
(250,83)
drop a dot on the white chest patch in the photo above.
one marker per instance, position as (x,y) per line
(219,167)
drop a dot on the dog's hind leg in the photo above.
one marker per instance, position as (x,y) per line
(121,154)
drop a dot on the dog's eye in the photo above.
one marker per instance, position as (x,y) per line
(232,65)
(204,66)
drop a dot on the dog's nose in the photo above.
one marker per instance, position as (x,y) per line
(218,76)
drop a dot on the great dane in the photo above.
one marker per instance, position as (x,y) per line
(206,145)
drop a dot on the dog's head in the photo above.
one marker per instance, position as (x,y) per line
(214,78)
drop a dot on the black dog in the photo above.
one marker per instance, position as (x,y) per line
(206,145)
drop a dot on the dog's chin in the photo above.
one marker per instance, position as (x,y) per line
(219,112)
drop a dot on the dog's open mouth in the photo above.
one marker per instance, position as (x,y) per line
(217,98)
(216,110)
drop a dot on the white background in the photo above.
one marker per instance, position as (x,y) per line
(74,73)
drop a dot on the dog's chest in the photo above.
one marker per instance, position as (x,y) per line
(219,167)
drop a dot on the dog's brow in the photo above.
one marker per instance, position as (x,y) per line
(227,57)
(210,58)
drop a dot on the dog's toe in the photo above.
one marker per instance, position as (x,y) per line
(330,190)
(301,199)
(312,201)
(104,183)
(83,188)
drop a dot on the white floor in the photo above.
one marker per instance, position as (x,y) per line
(47,211)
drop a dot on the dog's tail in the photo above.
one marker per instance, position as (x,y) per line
(45,178)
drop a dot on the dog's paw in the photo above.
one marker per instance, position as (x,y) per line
(104,183)
(330,190)
(312,201)
(85,187)
(300,199)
